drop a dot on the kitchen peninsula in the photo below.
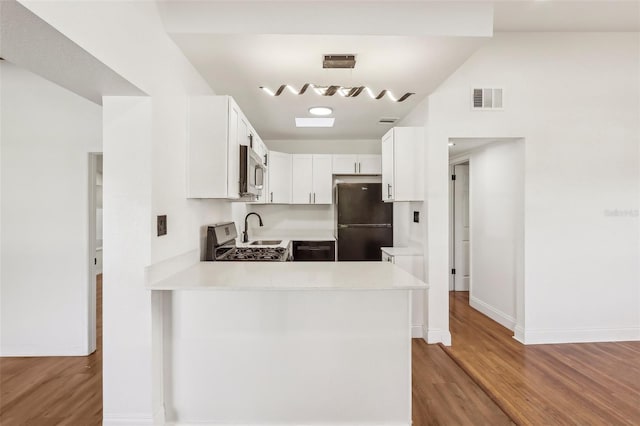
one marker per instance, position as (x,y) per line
(284,343)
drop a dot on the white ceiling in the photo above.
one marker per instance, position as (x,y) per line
(239,64)
(32,44)
(400,46)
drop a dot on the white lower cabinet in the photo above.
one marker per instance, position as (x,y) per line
(311,179)
(411,261)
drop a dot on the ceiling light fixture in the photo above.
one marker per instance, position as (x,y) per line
(314,121)
(320,110)
(347,92)
(452,144)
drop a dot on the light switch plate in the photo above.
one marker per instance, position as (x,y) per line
(416,217)
(162,225)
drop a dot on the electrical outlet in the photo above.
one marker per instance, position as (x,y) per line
(162,225)
(416,217)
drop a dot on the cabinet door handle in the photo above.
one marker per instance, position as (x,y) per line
(355,167)
(359,167)
(388,190)
(272,197)
(309,198)
(314,198)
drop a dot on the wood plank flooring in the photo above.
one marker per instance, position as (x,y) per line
(47,391)
(569,384)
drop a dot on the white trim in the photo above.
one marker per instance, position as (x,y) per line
(493,313)
(579,335)
(42,350)
(127,420)
(519,334)
(288,424)
(416,331)
(461,158)
(436,335)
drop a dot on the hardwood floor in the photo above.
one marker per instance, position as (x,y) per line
(54,390)
(569,384)
(443,394)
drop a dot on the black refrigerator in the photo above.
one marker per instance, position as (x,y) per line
(363,222)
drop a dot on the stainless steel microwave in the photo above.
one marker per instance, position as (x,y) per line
(252,172)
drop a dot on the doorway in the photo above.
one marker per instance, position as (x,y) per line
(486,201)
(461,266)
(95,249)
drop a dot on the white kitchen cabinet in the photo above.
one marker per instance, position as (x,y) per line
(216,129)
(322,179)
(311,179)
(279,178)
(403,164)
(412,261)
(356,164)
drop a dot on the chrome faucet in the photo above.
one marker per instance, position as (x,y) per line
(245,234)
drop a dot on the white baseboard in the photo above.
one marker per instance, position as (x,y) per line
(584,335)
(493,313)
(436,335)
(127,420)
(519,334)
(288,424)
(416,331)
(41,350)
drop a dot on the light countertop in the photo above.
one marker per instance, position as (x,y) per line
(402,251)
(291,276)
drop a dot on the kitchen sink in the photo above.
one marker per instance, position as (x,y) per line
(265,243)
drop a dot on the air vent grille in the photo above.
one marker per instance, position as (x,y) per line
(487,98)
(339,61)
(387,120)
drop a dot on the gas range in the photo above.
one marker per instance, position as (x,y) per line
(221,246)
(252,253)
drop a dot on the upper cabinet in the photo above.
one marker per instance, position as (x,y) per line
(279,181)
(216,129)
(357,164)
(403,164)
(311,179)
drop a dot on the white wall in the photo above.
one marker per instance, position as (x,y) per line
(290,219)
(144,168)
(496,202)
(574,98)
(47,133)
(348,146)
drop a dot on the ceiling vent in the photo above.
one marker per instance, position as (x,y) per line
(387,120)
(486,98)
(339,61)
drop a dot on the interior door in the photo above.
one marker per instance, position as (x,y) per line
(301,178)
(461,230)
(322,179)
